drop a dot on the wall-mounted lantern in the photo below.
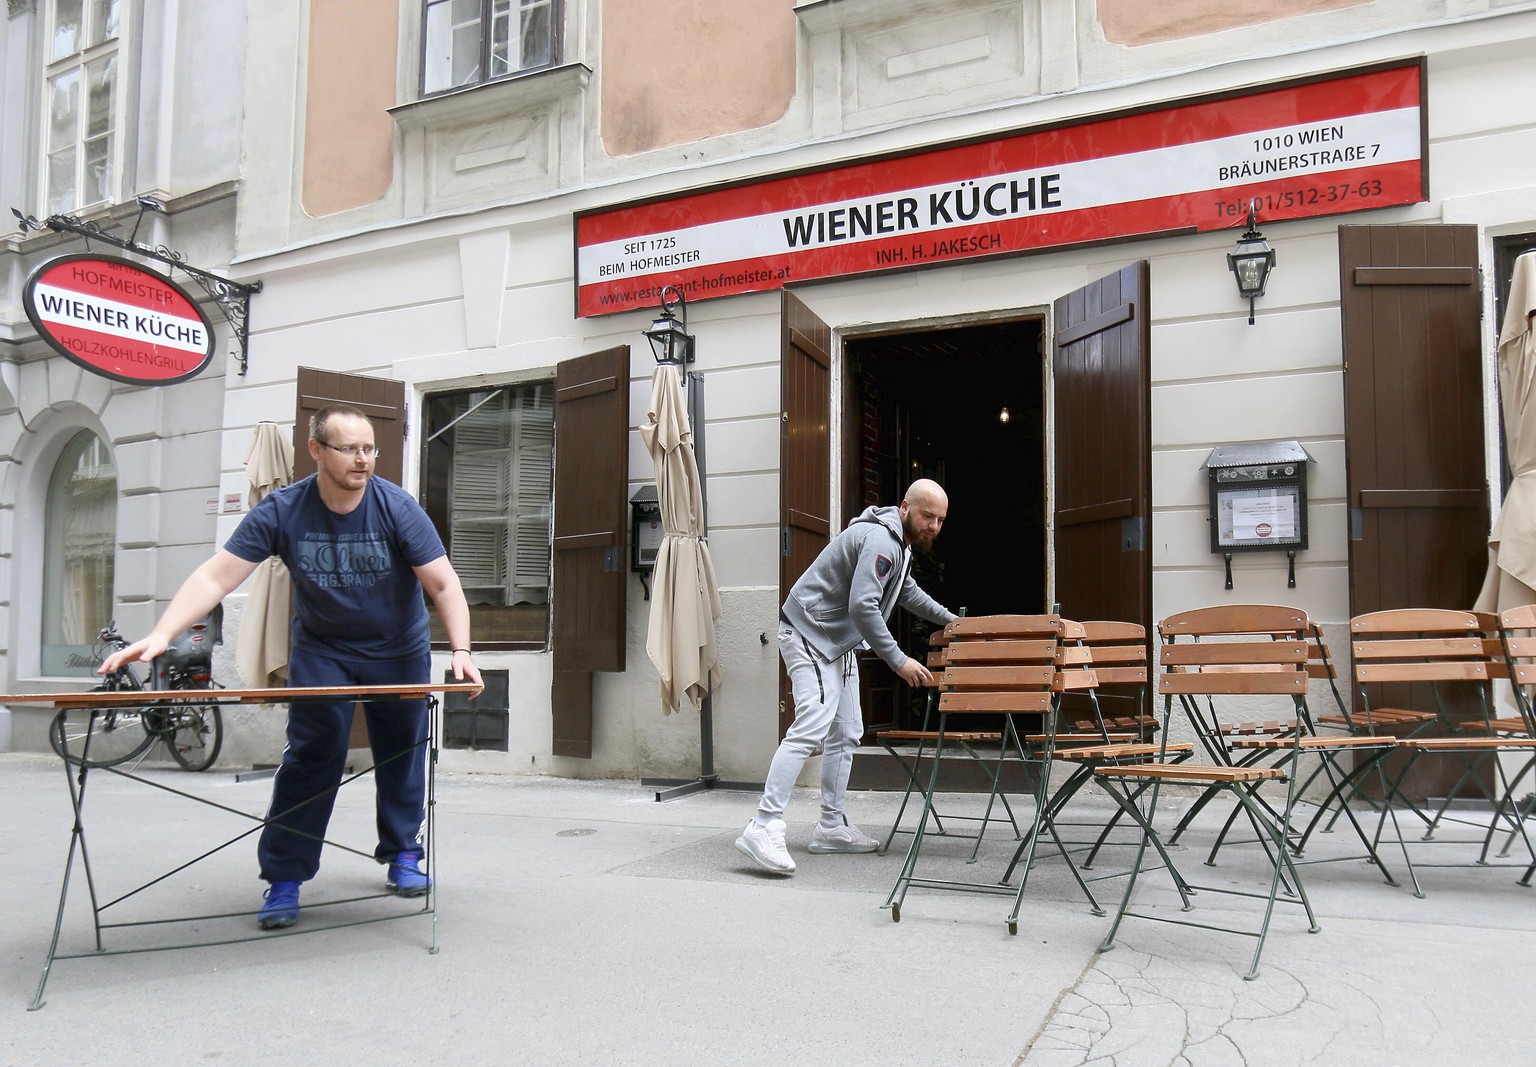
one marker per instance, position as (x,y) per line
(670,340)
(1251,261)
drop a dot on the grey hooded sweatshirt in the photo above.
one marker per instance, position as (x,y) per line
(847,595)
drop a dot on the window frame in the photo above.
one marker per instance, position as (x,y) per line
(436,494)
(56,559)
(111,48)
(487,22)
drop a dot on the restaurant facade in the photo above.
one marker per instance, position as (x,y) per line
(998,244)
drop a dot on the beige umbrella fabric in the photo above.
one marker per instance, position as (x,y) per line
(1511,579)
(261,654)
(685,601)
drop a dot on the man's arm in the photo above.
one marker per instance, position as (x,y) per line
(864,591)
(203,589)
(441,583)
(916,600)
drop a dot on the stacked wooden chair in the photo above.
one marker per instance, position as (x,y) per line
(912,749)
(996,666)
(1101,678)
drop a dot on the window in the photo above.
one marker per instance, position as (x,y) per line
(78,546)
(466,42)
(488,486)
(82,104)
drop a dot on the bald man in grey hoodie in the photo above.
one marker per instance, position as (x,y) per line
(842,603)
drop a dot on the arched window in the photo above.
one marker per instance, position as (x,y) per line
(79,540)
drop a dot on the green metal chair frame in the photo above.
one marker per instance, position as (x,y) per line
(997,665)
(1232,653)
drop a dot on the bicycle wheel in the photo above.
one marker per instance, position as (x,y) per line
(193,732)
(117,736)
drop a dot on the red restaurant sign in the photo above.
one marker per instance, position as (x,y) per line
(119,320)
(1303,149)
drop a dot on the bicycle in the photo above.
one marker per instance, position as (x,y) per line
(193,731)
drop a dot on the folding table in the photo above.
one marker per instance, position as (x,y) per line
(79,769)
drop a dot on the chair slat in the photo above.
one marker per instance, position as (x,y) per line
(1410,620)
(1418,648)
(994,702)
(1442,671)
(1233,683)
(1238,652)
(1234,619)
(1006,651)
(1013,676)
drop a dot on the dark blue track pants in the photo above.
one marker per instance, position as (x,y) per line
(304,790)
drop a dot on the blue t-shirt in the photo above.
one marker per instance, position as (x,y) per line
(354,592)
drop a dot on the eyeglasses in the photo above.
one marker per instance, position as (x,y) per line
(352,451)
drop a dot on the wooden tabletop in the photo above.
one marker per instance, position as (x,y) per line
(96,698)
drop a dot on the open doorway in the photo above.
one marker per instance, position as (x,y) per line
(964,405)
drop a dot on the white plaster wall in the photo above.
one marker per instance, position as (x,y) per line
(486,295)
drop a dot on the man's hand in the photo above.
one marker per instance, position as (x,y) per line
(141,651)
(464,669)
(914,673)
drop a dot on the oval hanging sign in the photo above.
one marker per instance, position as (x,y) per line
(116,319)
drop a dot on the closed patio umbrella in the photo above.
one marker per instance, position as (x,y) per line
(685,601)
(261,654)
(1511,579)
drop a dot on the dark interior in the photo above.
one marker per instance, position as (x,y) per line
(927,404)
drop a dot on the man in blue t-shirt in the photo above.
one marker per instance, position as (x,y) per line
(361,552)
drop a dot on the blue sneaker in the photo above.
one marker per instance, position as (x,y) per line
(406,877)
(281,908)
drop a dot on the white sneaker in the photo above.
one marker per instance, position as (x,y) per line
(845,838)
(764,846)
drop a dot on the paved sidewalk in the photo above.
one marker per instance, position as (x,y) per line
(584,923)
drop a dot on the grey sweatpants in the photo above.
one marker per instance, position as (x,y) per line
(827,720)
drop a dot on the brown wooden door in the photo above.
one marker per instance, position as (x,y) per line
(805,454)
(1413,403)
(1103,478)
(591,520)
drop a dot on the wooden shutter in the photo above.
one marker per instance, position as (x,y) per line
(381,399)
(805,454)
(1413,414)
(1103,451)
(590,530)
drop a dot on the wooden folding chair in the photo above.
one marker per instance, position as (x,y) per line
(1517,644)
(910,747)
(1228,658)
(1215,733)
(998,665)
(1449,658)
(1097,664)
(1322,665)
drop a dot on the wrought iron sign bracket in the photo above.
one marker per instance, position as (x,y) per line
(233,298)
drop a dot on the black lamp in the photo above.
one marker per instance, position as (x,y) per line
(1251,261)
(670,340)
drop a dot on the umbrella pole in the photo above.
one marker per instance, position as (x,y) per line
(707,779)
